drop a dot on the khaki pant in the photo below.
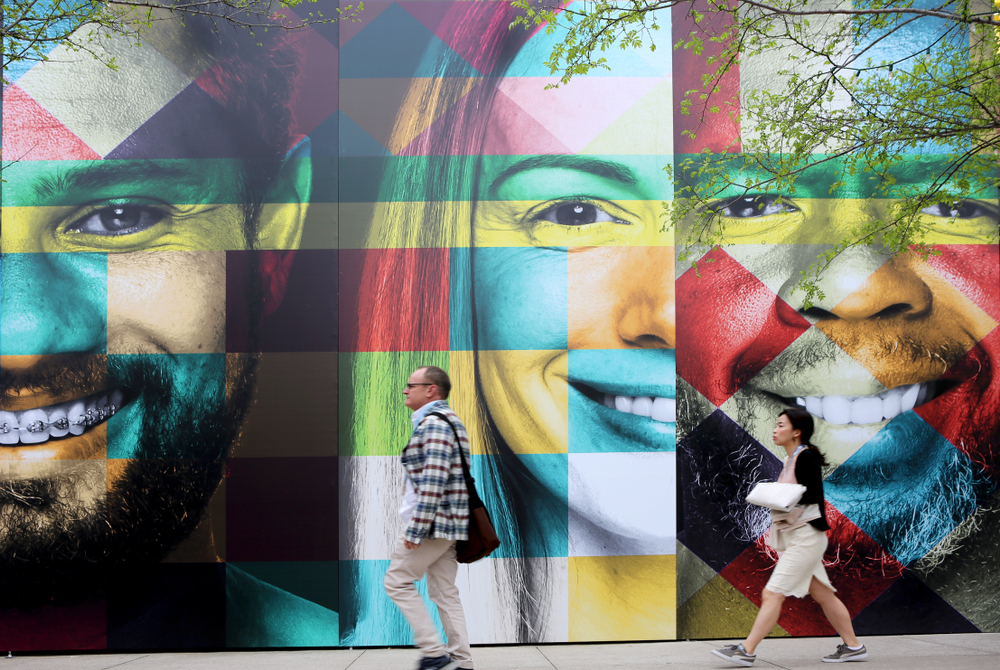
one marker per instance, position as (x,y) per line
(436,559)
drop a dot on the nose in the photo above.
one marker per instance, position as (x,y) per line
(647,317)
(52,303)
(863,284)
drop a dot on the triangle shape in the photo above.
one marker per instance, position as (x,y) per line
(646,128)
(349,29)
(397,45)
(975,270)
(31,133)
(907,488)
(692,574)
(718,611)
(531,138)
(324,140)
(716,523)
(578,112)
(317,80)
(750,326)
(965,558)
(965,414)
(354,141)
(857,568)
(908,607)
(376,104)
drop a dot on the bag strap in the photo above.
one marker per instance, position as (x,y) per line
(470,483)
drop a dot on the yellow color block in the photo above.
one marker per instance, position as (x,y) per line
(622,598)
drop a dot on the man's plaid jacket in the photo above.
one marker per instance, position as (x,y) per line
(434,466)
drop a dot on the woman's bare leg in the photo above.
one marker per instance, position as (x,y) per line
(834,610)
(767,617)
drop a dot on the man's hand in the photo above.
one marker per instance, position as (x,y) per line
(410,545)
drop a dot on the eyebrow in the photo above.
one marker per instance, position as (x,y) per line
(104,173)
(594,166)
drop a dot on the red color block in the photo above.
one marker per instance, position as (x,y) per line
(729,326)
(717,132)
(394,300)
(858,568)
(31,133)
(968,415)
(974,269)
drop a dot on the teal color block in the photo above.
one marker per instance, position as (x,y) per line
(628,373)
(521,298)
(460,299)
(178,391)
(53,303)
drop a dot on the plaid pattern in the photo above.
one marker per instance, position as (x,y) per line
(435,467)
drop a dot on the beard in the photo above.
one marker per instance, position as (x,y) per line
(61,533)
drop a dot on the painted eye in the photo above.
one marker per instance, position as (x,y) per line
(963,209)
(576,214)
(118,220)
(754,205)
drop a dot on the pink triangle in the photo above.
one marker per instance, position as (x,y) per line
(577,112)
(530,139)
(31,133)
(467,27)
(348,29)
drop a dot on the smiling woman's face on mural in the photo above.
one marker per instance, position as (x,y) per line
(574,309)
(114,293)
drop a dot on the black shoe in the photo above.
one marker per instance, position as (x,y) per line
(440,663)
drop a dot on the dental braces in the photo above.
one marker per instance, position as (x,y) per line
(93,417)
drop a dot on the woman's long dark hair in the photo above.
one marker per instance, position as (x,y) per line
(802,421)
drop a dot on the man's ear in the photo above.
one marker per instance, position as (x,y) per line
(284,211)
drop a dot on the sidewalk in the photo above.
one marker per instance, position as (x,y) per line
(918,652)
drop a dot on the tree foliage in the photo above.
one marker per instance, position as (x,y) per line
(32,28)
(897,103)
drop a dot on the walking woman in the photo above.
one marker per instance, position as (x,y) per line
(800,536)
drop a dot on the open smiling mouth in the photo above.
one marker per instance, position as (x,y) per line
(841,410)
(70,418)
(653,407)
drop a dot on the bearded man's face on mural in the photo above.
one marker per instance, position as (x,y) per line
(119,401)
(897,360)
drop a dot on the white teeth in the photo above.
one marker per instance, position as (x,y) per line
(75,417)
(658,409)
(842,410)
(665,409)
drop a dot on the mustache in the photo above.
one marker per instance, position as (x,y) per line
(58,375)
(895,357)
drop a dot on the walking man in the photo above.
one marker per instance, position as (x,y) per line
(435,510)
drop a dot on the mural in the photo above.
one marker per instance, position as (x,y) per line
(222,261)
(150,285)
(515,241)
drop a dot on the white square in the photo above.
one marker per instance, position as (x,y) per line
(623,504)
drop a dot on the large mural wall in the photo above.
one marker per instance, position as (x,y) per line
(222,260)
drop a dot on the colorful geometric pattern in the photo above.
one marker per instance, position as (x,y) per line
(194,237)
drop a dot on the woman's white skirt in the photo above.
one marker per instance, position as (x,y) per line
(800,562)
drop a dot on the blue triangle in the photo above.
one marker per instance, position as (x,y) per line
(355,141)
(325,138)
(396,45)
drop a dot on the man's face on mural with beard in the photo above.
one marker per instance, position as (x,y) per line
(119,400)
(897,362)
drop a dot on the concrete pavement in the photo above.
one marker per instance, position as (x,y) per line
(916,652)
